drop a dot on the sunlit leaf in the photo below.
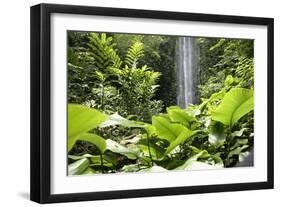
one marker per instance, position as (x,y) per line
(180,116)
(184,135)
(95,139)
(80,120)
(167,130)
(235,104)
(130,168)
(117,148)
(150,129)
(238,133)
(237,151)
(79,157)
(188,163)
(78,167)
(153,148)
(116,119)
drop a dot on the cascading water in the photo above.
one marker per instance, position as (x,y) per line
(186,71)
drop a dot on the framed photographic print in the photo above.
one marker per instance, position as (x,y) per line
(132,103)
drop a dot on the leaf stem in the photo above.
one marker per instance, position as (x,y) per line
(101,161)
(102,96)
(148,144)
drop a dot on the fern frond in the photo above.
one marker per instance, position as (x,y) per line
(102,49)
(135,52)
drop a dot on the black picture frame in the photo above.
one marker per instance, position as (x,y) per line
(41,96)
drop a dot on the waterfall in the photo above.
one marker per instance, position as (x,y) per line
(186,71)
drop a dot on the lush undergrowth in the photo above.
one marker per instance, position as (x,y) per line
(118,123)
(203,136)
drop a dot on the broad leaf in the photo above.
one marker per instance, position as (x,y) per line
(237,151)
(181,116)
(117,148)
(167,130)
(95,160)
(78,167)
(116,119)
(239,143)
(238,133)
(79,157)
(98,163)
(192,159)
(235,104)
(173,107)
(150,130)
(133,140)
(80,120)
(95,139)
(184,135)
(217,135)
(156,151)
(130,168)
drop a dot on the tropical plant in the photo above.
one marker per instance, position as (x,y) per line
(138,86)
(119,123)
(220,58)
(135,53)
(129,90)
(181,133)
(103,52)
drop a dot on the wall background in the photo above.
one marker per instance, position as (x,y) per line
(14,101)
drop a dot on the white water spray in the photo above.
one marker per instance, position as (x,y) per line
(186,71)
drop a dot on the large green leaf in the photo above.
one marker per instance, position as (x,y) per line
(192,159)
(94,139)
(237,151)
(238,133)
(95,160)
(176,134)
(118,148)
(150,130)
(79,157)
(184,135)
(130,168)
(217,135)
(78,167)
(167,130)
(235,104)
(181,116)
(152,148)
(116,119)
(80,120)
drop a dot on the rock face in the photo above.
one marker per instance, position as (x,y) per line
(187,61)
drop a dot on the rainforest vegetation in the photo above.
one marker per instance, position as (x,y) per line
(123,114)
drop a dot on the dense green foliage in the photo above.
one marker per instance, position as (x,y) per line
(100,79)
(222,57)
(122,113)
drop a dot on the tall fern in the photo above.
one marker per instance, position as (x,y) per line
(102,50)
(135,52)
